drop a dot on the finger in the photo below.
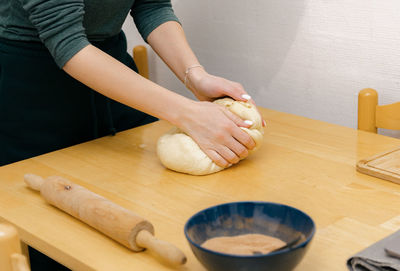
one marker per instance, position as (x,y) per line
(228,155)
(236,119)
(252,102)
(217,158)
(238,93)
(244,138)
(235,91)
(240,150)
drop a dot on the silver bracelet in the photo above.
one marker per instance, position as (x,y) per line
(187,72)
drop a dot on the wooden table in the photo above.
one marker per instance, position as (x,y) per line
(304,163)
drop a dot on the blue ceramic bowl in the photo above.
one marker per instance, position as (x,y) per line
(277,220)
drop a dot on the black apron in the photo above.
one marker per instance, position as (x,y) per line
(43,109)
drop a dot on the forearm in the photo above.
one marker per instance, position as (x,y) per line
(111,78)
(169,42)
(213,127)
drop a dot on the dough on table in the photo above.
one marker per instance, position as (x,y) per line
(179,152)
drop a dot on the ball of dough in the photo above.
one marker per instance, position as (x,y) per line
(179,152)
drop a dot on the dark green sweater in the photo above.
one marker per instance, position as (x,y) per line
(66,26)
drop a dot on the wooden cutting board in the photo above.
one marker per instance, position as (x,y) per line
(384,165)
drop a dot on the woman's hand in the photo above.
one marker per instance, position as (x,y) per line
(216,130)
(207,87)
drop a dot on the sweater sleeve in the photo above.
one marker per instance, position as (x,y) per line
(149,14)
(60,26)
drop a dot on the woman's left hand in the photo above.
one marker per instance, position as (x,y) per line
(207,87)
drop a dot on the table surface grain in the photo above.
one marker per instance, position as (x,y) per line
(304,163)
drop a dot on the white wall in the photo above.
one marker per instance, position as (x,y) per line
(307,57)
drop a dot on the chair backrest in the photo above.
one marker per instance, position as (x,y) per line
(141,60)
(372,116)
(11,258)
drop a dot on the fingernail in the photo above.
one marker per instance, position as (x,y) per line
(246,97)
(249,122)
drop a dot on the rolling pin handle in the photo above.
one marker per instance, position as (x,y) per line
(164,250)
(33,181)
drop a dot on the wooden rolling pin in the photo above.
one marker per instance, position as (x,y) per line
(109,218)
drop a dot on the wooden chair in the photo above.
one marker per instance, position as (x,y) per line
(141,60)
(11,257)
(372,116)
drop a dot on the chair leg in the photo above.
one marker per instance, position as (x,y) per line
(367,102)
(25,251)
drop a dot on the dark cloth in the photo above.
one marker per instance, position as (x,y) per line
(43,109)
(40,262)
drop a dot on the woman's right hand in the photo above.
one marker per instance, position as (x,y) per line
(216,130)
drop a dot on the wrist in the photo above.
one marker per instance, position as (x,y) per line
(193,75)
(179,116)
